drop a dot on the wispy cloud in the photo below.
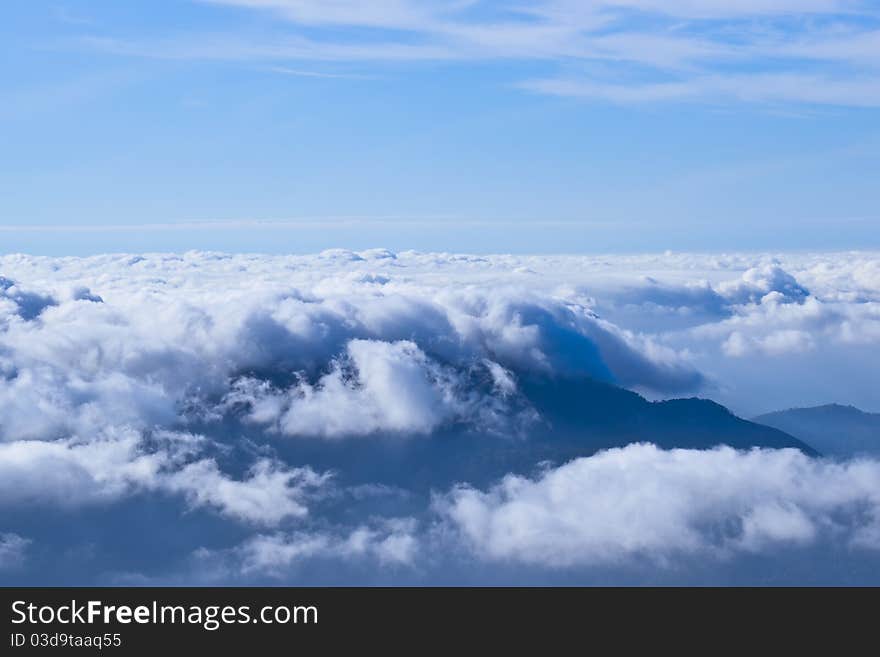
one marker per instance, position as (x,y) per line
(813,52)
(773,88)
(64,14)
(308,223)
(300,73)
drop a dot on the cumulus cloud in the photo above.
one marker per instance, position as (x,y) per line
(187,378)
(643,502)
(167,335)
(814,316)
(72,473)
(617,508)
(126,375)
(24,304)
(768,283)
(176,334)
(389,386)
(776,326)
(268,494)
(761,283)
(772,343)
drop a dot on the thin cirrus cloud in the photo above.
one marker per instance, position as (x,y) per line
(764,88)
(812,53)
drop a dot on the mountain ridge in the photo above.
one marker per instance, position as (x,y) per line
(578,417)
(833,429)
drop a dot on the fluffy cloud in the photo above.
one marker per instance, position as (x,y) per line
(773,343)
(172,336)
(768,283)
(389,386)
(20,303)
(776,325)
(390,543)
(815,317)
(617,508)
(124,375)
(72,473)
(176,334)
(640,501)
(761,283)
(270,493)
(186,378)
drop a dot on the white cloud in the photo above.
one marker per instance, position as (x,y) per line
(356,344)
(270,493)
(768,331)
(13,550)
(131,375)
(766,88)
(773,343)
(72,473)
(100,379)
(642,502)
(67,472)
(762,51)
(401,14)
(389,543)
(389,386)
(171,333)
(758,282)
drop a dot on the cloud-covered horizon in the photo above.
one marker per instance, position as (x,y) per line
(237,393)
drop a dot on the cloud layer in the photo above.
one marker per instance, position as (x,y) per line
(151,352)
(233,396)
(621,509)
(640,501)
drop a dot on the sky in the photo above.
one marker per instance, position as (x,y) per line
(461,235)
(523,126)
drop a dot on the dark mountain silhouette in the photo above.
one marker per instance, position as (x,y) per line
(589,412)
(578,417)
(832,429)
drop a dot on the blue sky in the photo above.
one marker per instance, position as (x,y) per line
(546,126)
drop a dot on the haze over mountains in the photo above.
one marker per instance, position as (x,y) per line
(832,429)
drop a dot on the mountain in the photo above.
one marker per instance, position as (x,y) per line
(587,412)
(577,417)
(832,429)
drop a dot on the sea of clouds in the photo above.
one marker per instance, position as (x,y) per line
(189,396)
